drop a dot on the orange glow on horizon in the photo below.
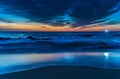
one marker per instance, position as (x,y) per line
(43,27)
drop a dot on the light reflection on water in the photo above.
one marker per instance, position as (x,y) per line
(17,62)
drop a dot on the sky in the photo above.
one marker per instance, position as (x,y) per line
(59,15)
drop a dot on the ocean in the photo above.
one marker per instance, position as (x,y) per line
(46,42)
(21,51)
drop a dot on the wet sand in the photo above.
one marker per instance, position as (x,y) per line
(65,72)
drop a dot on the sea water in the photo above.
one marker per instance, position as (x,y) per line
(22,42)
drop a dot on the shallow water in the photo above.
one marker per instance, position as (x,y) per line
(19,62)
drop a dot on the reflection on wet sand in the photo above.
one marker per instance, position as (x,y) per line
(18,62)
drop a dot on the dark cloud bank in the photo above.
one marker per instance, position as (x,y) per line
(61,12)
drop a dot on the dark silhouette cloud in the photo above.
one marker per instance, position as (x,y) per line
(61,12)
